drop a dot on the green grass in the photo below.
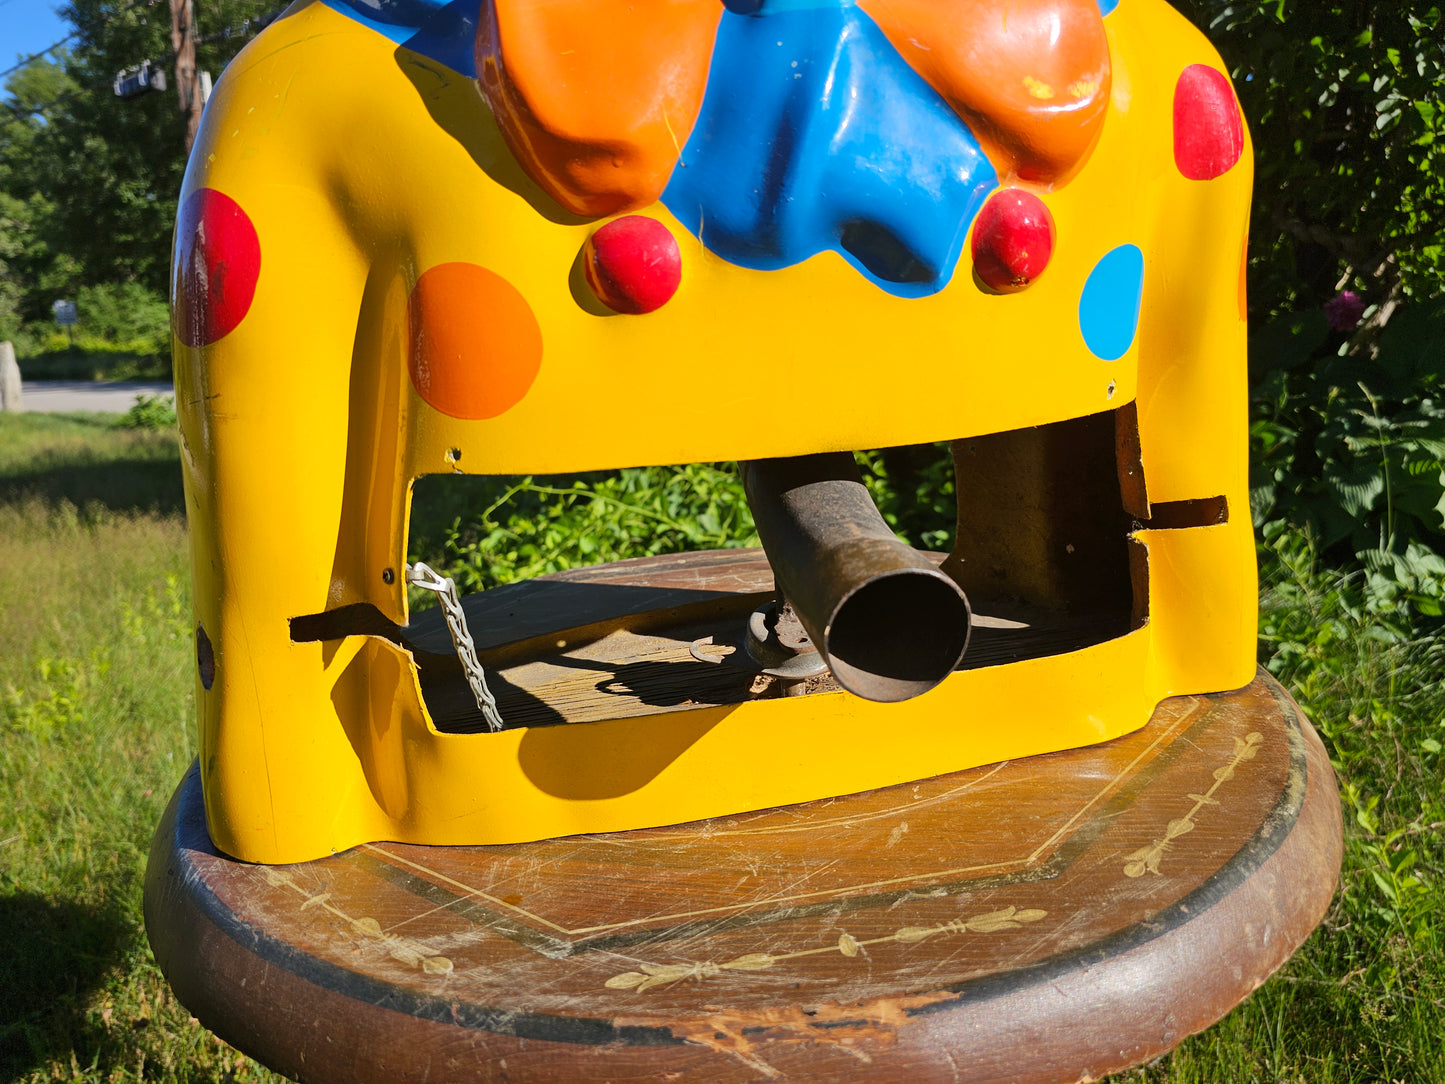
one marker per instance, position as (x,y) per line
(89,460)
(96,729)
(95,732)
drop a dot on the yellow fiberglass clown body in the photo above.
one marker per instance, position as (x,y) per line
(512,237)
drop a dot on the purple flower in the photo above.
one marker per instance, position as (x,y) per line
(1344,310)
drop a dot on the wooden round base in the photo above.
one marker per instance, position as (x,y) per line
(1055,918)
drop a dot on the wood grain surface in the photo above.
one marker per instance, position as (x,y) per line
(613,641)
(1055,918)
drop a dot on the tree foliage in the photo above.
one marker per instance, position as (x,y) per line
(1346,103)
(1345,100)
(1352,445)
(88,181)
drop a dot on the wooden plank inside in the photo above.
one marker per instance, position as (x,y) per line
(614,641)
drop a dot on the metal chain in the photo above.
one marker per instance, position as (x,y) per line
(428,579)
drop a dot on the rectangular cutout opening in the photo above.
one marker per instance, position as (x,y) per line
(586,595)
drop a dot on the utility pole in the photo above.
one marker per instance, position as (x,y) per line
(188,84)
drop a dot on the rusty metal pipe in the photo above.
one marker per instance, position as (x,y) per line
(889,624)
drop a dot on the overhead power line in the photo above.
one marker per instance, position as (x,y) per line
(73,34)
(247,27)
(36,56)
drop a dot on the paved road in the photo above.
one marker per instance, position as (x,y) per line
(59,396)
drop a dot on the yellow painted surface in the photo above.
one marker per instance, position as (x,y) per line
(362,166)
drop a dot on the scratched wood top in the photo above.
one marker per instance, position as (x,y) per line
(1041,919)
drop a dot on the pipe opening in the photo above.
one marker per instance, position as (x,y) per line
(898,636)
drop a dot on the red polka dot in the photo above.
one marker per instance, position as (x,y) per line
(633,264)
(217,263)
(476,345)
(1013,240)
(1208,132)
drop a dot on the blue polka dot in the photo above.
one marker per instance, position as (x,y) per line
(1109,307)
(1106,6)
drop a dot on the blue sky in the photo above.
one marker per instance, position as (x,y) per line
(27,26)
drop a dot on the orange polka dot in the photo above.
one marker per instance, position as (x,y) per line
(476,346)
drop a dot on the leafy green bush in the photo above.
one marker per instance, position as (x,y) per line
(126,314)
(1353,448)
(91,359)
(913,487)
(54,700)
(485,531)
(150,412)
(28,339)
(530,526)
(124,334)
(1346,102)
